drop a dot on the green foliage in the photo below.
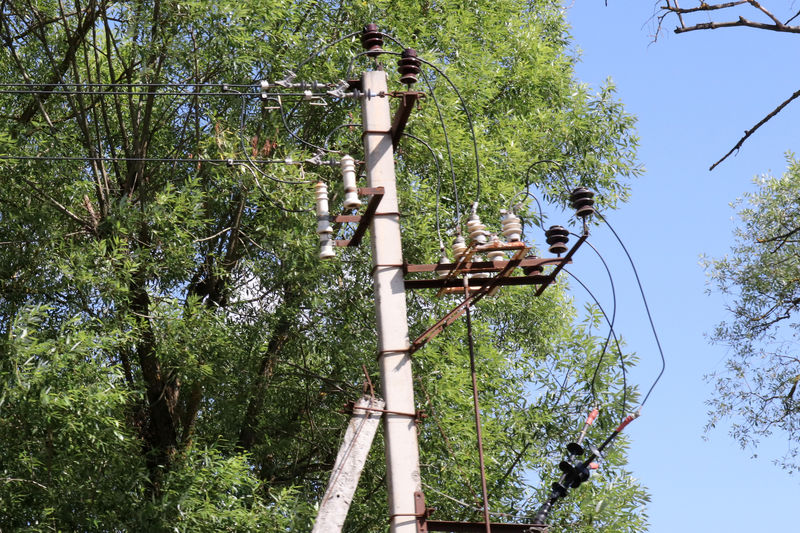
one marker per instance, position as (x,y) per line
(757,390)
(173,355)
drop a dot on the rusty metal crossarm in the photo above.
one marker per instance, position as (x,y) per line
(376,194)
(471,299)
(407,101)
(567,259)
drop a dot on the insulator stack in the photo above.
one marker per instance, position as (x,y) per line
(459,247)
(557,238)
(582,201)
(512,226)
(372,40)
(444,260)
(529,270)
(477,231)
(324,228)
(496,255)
(351,200)
(408,66)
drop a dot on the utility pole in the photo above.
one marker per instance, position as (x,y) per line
(400,430)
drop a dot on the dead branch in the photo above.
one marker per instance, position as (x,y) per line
(741,22)
(752,130)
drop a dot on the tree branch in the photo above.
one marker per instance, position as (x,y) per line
(752,130)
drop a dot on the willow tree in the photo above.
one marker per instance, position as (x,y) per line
(174,354)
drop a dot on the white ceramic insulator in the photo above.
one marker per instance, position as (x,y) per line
(307,95)
(323,216)
(351,200)
(477,231)
(326,246)
(496,255)
(444,260)
(512,226)
(459,247)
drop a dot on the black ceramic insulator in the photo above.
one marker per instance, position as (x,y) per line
(581,474)
(582,201)
(408,66)
(371,39)
(559,490)
(566,467)
(574,448)
(557,238)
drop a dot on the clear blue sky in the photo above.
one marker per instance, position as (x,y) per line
(694,95)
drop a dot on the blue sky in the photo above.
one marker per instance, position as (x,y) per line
(694,95)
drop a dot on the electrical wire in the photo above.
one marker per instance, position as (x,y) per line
(292,133)
(469,121)
(266,196)
(611,328)
(251,163)
(152,85)
(140,159)
(337,128)
(457,221)
(438,184)
(646,307)
(616,341)
(158,93)
(324,47)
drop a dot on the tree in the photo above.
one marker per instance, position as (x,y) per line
(174,354)
(760,275)
(734,15)
(757,390)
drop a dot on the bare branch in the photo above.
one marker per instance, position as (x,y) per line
(702,7)
(752,130)
(758,6)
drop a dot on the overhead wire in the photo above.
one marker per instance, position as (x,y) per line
(610,331)
(646,307)
(438,184)
(457,220)
(251,162)
(616,341)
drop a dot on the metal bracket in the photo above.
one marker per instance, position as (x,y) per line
(363,220)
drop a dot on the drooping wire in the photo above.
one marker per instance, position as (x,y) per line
(457,221)
(337,128)
(267,197)
(611,325)
(438,185)
(469,122)
(324,47)
(646,307)
(612,333)
(292,133)
(551,161)
(253,167)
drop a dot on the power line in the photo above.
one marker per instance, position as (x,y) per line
(147,159)
(646,307)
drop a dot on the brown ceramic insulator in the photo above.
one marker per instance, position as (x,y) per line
(557,238)
(408,66)
(582,201)
(531,270)
(371,39)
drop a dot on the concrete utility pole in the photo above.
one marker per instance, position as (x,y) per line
(400,430)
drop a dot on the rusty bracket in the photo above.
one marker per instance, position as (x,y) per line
(567,259)
(407,101)
(485,286)
(421,512)
(364,220)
